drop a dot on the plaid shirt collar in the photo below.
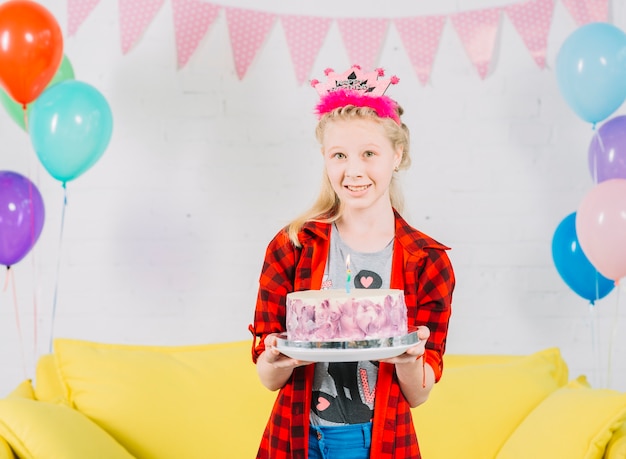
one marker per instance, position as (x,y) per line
(412,241)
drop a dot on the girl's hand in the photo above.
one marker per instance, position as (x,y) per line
(413,353)
(277,359)
(416,378)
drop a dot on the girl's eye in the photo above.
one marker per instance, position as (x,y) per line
(339,155)
(369,153)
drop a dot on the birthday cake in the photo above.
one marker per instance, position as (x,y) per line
(338,315)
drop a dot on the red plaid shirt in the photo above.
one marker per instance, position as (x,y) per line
(420,267)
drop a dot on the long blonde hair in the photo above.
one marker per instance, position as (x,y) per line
(328,207)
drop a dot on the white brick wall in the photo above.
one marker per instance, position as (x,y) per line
(164,237)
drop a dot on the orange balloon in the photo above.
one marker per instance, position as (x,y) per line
(31,49)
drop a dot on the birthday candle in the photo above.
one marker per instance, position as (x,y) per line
(348,274)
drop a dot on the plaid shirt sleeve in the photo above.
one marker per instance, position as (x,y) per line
(284,266)
(435,283)
(428,284)
(275,282)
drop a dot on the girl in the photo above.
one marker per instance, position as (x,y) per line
(353,410)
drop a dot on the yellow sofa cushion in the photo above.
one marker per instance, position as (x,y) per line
(23,390)
(48,386)
(464,360)
(5,450)
(169,401)
(36,430)
(585,420)
(473,409)
(616,448)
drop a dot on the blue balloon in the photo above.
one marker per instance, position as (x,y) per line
(574,267)
(591,70)
(70,126)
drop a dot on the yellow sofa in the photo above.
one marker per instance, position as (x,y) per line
(94,400)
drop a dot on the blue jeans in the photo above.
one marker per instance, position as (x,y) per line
(340,442)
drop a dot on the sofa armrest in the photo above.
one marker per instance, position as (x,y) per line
(36,429)
(49,387)
(616,449)
(5,450)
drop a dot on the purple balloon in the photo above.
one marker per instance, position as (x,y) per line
(21,217)
(607,151)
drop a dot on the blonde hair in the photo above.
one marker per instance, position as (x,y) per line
(327,207)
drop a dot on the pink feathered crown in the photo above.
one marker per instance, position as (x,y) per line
(358,88)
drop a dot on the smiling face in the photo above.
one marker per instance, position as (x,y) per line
(360,161)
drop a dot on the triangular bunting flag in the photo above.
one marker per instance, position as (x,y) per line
(363,39)
(135,17)
(192,19)
(247,30)
(305,36)
(77,12)
(420,37)
(586,11)
(532,21)
(478,30)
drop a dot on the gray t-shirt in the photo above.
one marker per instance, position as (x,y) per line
(343,392)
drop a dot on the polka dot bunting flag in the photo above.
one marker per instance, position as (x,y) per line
(420,37)
(78,10)
(192,19)
(363,39)
(532,22)
(478,30)
(305,36)
(248,30)
(135,17)
(586,11)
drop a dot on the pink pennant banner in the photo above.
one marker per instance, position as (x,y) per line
(478,30)
(135,17)
(586,11)
(192,19)
(248,30)
(532,21)
(305,36)
(77,12)
(363,39)
(420,37)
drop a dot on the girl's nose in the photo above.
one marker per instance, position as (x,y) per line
(354,169)
(353,174)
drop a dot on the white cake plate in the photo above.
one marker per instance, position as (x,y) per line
(346,351)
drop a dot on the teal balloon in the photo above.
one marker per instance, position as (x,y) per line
(70,127)
(574,267)
(591,70)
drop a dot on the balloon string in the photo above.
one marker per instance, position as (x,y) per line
(56,285)
(25,111)
(597,279)
(33,259)
(594,345)
(35,317)
(609,373)
(35,308)
(595,157)
(10,277)
(32,244)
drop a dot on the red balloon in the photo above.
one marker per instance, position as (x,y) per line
(31,49)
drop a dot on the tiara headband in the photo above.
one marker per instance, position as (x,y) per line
(358,88)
